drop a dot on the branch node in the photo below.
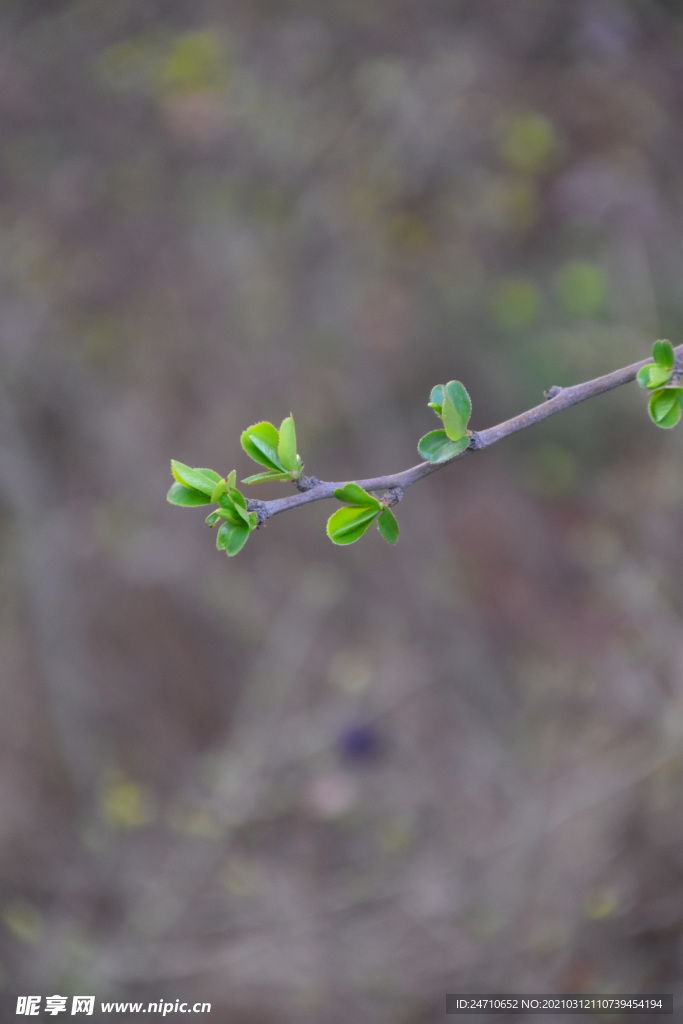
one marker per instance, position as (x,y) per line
(306,483)
(553,392)
(392,496)
(475,442)
(260,508)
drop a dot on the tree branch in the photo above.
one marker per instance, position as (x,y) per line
(557,399)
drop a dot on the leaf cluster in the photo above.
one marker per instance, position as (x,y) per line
(206,487)
(265,444)
(275,449)
(453,406)
(347,525)
(661,378)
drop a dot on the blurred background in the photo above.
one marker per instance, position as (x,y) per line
(312,783)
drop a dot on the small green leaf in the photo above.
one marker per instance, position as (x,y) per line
(643,375)
(270,475)
(460,399)
(229,515)
(237,497)
(269,456)
(253,520)
(220,488)
(663,354)
(232,539)
(437,447)
(238,538)
(260,442)
(659,376)
(242,513)
(203,480)
(354,494)
(436,399)
(387,525)
(287,445)
(348,525)
(223,534)
(652,376)
(230,478)
(212,475)
(186,496)
(212,518)
(662,402)
(234,504)
(671,418)
(664,407)
(453,423)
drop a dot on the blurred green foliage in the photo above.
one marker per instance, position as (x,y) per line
(529,142)
(582,288)
(516,303)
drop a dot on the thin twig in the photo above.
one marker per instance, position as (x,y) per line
(558,399)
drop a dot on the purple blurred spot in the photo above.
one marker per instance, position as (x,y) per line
(359,742)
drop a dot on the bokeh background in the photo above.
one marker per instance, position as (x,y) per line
(312,783)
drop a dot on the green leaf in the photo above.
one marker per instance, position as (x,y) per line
(220,488)
(453,423)
(643,375)
(287,445)
(237,497)
(354,494)
(664,407)
(270,475)
(671,418)
(242,513)
(230,478)
(269,456)
(212,475)
(203,480)
(232,538)
(437,447)
(460,399)
(348,525)
(238,538)
(662,402)
(233,511)
(235,504)
(186,496)
(652,376)
(387,525)
(436,399)
(663,354)
(260,442)
(229,515)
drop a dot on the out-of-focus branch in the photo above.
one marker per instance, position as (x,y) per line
(52,601)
